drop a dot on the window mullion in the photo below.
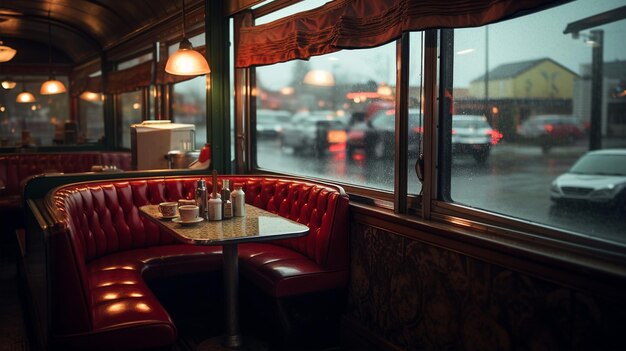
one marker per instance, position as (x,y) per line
(430,121)
(402,122)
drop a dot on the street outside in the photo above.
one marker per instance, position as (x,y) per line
(515,181)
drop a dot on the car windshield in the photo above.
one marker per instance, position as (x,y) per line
(469,123)
(387,119)
(601,164)
(269,118)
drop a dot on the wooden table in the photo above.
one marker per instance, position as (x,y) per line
(257,225)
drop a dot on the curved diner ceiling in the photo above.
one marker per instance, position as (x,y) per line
(81,29)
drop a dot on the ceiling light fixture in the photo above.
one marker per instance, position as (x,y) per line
(186,61)
(8,84)
(51,86)
(6,52)
(25,96)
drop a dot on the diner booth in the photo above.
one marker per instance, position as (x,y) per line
(146,205)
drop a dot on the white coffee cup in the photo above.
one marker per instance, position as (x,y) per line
(188,213)
(168,209)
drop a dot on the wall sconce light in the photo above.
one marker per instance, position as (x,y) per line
(186,61)
(90,96)
(51,86)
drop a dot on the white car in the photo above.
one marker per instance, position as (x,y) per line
(598,177)
(472,135)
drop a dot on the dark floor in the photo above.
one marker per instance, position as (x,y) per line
(12,328)
(198,316)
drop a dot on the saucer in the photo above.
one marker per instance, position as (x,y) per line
(179,220)
(160,216)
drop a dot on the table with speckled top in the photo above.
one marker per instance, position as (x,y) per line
(257,225)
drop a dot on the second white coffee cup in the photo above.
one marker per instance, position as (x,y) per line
(188,213)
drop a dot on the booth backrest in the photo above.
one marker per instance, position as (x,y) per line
(95,219)
(14,168)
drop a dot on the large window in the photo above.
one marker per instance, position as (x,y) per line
(43,122)
(130,109)
(91,116)
(518,105)
(189,98)
(189,106)
(330,117)
(524,112)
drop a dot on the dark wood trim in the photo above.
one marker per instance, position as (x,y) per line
(235,6)
(430,116)
(273,6)
(401,160)
(520,252)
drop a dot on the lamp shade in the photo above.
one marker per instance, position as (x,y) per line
(25,97)
(8,84)
(52,86)
(6,53)
(186,61)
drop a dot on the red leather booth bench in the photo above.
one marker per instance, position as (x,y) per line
(15,168)
(101,251)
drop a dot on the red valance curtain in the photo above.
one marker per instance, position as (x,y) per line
(129,79)
(352,24)
(79,85)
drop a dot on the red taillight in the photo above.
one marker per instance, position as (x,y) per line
(453,131)
(548,128)
(418,130)
(495,136)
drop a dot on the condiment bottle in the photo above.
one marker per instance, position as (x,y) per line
(238,198)
(215,202)
(201,198)
(227,205)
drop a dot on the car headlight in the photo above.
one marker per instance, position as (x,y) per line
(555,188)
(607,192)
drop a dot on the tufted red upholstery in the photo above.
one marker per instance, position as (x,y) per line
(101,250)
(15,168)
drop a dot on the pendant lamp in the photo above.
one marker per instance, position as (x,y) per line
(25,96)
(6,52)
(186,61)
(8,84)
(51,86)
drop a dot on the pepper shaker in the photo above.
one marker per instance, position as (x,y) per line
(201,198)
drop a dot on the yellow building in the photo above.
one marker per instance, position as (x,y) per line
(536,79)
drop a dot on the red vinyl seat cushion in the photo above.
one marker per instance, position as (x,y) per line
(281,271)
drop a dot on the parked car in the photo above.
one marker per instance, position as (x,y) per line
(376,136)
(313,132)
(472,134)
(269,123)
(551,130)
(598,177)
